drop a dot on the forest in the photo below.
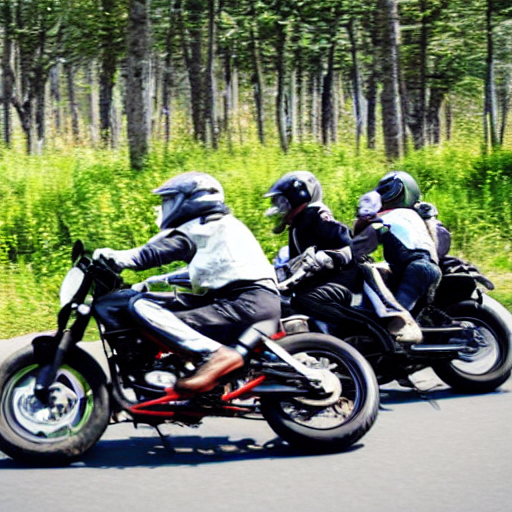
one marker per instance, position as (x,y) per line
(101,100)
(88,66)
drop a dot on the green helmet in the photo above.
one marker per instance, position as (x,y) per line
(398,189)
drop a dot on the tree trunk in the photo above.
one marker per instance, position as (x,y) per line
(108,66)
(92,103)
(228,94)
(404,107)
(433,121)
(355,83)
(280,96)
(153,96)
(389,95)
(292,94)
(70,78)
(505,109)
(256,79)
(40,98)
(327,94)
(335,116)
(7,77)
(417,86)
(24,111)
(371,123)
(137,68)
(315,94)
(301,93)
(192,52)
(55,95)
(448,118)
(210,113)
(168,76)
(490,130)
(371,92)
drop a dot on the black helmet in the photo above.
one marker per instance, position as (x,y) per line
(291,191)
(398,189)
(188,196)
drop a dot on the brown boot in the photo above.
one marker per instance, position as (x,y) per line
(405,329)
(223,361)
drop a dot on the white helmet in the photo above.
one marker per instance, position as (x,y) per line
(188,196)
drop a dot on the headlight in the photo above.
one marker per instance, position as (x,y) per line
(70,285)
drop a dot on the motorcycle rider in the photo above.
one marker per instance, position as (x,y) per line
(234,285)
(409,248)
(326,250)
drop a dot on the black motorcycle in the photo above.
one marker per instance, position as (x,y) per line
(467,335)
(315,391)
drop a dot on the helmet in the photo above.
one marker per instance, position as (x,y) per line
(291,191)
(188,196)
(398,189)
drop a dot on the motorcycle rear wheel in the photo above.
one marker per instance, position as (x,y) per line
(491,365)
(316,427)
(64,429)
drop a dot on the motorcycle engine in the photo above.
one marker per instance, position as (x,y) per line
(131,352)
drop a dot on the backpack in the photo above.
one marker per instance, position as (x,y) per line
(439,233)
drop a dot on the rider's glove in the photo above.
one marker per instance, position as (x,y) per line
(117,260)
(305,265)
(324,260)
(342,257)
(310,261)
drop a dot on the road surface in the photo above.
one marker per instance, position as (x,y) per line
(428,452)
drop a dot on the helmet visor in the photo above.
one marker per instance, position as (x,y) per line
(170,208)
(390,191)
(280,206)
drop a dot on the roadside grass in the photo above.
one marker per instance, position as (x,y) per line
(49,201)
(503,291)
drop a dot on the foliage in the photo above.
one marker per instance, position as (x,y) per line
(47,202)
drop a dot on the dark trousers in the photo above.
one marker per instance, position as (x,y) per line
(419,278)
(322,301)
(222,317)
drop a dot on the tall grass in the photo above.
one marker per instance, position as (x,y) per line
(49,201)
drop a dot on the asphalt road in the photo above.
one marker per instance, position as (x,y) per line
(435,451)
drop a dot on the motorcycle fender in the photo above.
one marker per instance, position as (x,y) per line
(455,288)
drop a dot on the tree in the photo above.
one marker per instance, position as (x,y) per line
(137,81)
(389,63)
(111,21)
(6,17)
(36,28)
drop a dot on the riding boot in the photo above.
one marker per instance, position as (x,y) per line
(221,362)
(405,329)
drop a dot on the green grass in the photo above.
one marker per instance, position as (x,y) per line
(47,202)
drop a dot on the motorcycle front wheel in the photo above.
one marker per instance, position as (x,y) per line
(490,365)
(57,432)
(318,425)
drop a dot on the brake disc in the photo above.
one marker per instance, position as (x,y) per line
(330,384)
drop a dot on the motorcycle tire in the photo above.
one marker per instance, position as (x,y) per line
(491,365)
(311,426)
(56,433)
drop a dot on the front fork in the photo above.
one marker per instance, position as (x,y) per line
(50,351)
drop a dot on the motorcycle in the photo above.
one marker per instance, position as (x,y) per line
(315,391)
(467,335)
